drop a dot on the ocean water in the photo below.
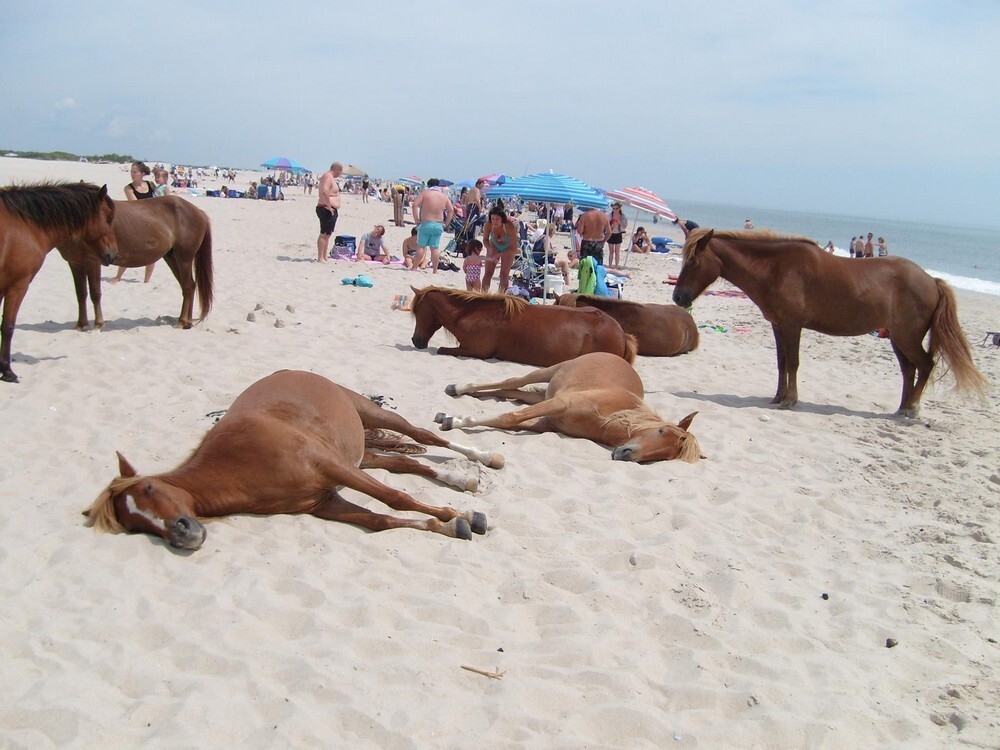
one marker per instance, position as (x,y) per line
(966,257)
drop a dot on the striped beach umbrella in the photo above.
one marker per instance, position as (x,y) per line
(549,187)
(642,199)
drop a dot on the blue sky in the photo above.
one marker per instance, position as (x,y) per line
(885,110)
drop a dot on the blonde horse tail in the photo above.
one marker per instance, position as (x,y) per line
(948,342)
(631,348)
(203,273)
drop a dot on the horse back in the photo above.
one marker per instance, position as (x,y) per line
(545,335)
(661,330)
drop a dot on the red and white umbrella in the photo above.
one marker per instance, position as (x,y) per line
(642,199)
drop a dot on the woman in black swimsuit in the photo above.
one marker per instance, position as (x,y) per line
(138,190)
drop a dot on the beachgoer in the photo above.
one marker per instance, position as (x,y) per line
(138,190)
(883,249)
(859,247)
(372,246)
(869,247)
(500,237)
(472,266)
(410,249)
(568,212)
(594,229)
(618,224)
(432,211)
(641,242)
(747,224)
(687,226)
(397,205)
(162,188)
(472,205)
(544,254)
(830,248)
(850,246)
(365,185)
(328,209)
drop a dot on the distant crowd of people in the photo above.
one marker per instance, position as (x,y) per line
(862,247)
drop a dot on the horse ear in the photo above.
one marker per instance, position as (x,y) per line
(103,192)
(124,467)
(686,422)
(415,290)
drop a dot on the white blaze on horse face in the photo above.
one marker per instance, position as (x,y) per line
(135,510)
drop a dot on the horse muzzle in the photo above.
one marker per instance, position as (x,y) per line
(682,299)
(623,453)
(109,256)
(187,533)
(418,342)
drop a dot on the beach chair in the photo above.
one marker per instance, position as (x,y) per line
(991,337)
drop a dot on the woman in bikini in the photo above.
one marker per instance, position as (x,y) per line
(618,226)
(500,237)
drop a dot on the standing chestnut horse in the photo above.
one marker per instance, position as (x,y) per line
(286,445)
(33,220)
(661,330)
(797,285)
(596,396)
(511,329)
(170,228)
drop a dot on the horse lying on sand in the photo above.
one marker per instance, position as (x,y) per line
(33,220)
(286,445)
(797,285)
(596,396)
(170,228)
(661,330)
(511,329)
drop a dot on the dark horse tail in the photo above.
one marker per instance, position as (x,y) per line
(947,341)
(203,274)
(631,348)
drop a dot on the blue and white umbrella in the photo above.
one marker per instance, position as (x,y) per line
(550,187)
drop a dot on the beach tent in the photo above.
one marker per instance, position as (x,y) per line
(549,187)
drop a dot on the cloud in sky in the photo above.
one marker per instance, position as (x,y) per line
(66,103)
(821,106)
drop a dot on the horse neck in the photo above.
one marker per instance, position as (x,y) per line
(747,270)
(212,483)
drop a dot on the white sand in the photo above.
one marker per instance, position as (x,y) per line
(670,605)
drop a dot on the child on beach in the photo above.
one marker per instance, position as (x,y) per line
(162,188)
(473,266)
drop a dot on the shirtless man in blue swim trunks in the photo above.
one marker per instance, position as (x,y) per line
(327,209)
(433,210)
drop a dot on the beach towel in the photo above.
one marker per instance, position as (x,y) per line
(586,276)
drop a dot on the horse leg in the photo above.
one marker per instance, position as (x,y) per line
(791,338)
(335,508)
(444,520)
(912,358)
(375,417)
(534,418)
(93,271)
(185,278)
(511,384)
(80,287)
(779,349)
(406,465)
(12,298)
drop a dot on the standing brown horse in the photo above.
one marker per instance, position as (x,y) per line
(286,445)
(661,330)
(796,285)
(33,220)
(511,329)
(596,396)
(170,228)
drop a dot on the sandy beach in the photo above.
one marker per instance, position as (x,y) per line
(744,601)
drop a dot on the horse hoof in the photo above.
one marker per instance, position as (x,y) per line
(472,484)
(497,461)
(451,390)
(439,417)
(478,523)
(462,530)
(446,422)
(9,377)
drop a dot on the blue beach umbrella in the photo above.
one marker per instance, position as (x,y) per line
(283,164)
(550,187)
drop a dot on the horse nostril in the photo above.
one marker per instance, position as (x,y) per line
(183,523)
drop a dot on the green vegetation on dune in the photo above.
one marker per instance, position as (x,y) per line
(66,156)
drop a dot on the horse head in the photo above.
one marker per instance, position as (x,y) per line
(426,317)
(663,442)
(701,267)
(99,231)
(147,505)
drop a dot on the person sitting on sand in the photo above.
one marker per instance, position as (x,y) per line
(641,242)
(410,249)
(372,246)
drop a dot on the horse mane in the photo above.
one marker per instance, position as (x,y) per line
(101,513)
(60,206)
(642,418)
(512,306)
(739,235)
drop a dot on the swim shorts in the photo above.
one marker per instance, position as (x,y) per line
(429,234)
(593,249)
(615,238)
(327,219)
